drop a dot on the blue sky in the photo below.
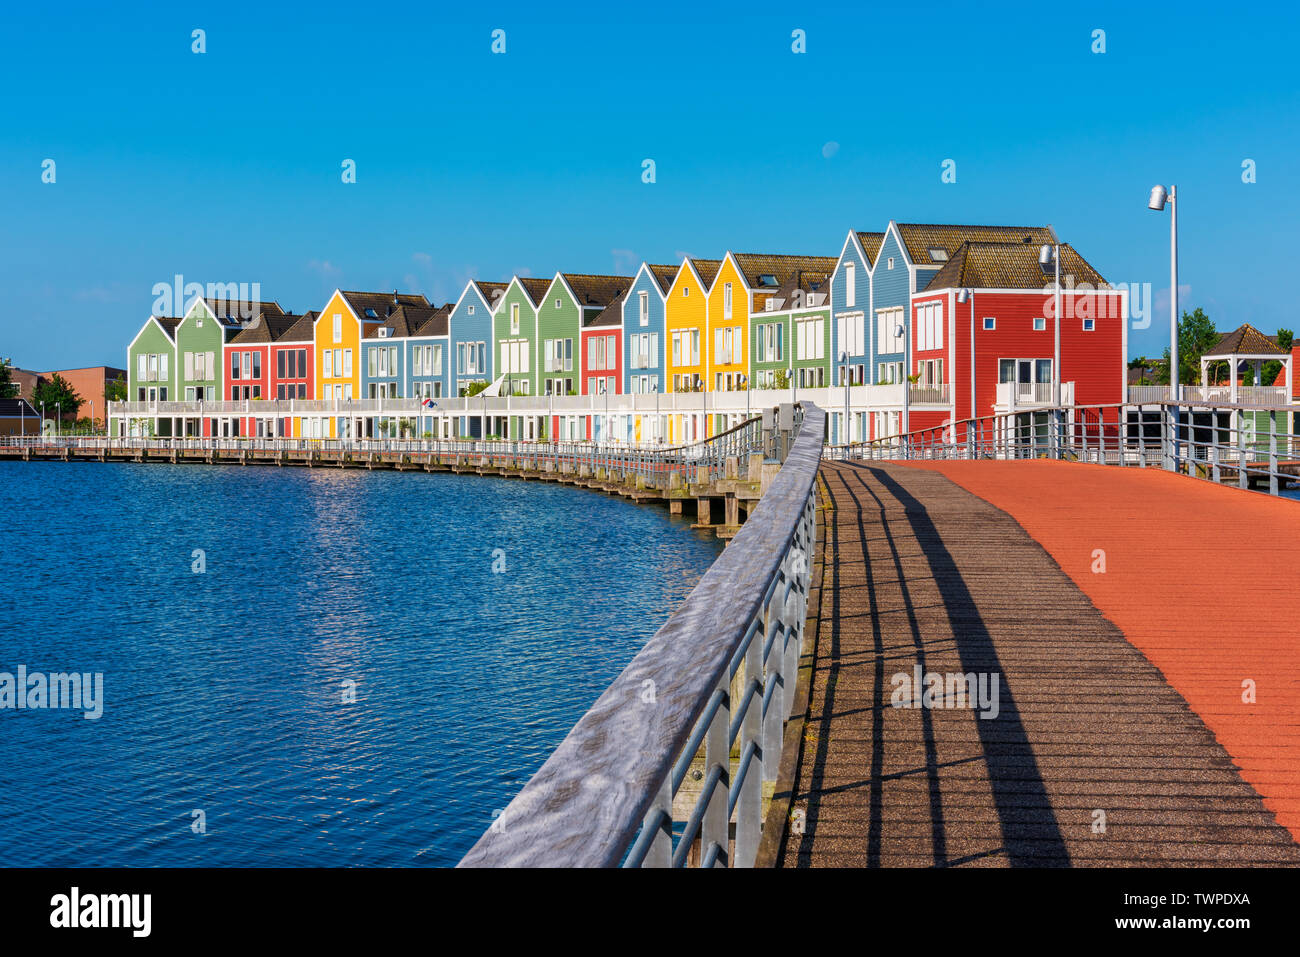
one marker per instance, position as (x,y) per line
(225,166)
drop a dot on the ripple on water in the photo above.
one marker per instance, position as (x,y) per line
(223,691)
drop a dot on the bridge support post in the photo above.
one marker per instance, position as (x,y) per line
(716,826)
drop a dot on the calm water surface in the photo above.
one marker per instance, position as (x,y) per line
(223,690)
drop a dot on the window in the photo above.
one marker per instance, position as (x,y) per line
(853,334)
(338,327)
(889,330)
(245,366)
(990,323)
(686,291)
(557,304)
(257,366)
(281,358)
(643,300)
(726,300)
(890,263)
(850,287)
(514,318)
(810,342)
(142,367)
(929,322)
(162,371)
(1089,325)
(1040,325)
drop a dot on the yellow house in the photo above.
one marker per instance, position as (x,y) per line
(728,324)
(686,310)
(337,336)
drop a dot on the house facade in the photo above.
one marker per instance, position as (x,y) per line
(644,329)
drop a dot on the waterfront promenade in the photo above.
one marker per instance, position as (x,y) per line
(1140,624)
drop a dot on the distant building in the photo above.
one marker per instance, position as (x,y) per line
(90,383)
(17,417)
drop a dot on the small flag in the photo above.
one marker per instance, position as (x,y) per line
(429,404)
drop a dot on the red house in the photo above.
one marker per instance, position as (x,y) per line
(601,350)
(270,359)
(983,336)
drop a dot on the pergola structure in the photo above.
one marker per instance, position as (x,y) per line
(1245,344)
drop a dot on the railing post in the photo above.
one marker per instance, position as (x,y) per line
(1243,481)
(1272,452)
(716,827)
(749,807)
(774,685)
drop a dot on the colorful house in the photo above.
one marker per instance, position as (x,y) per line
(910,255)
(571,302)
(686,321)
(852,331)
(643,329)
(201,337)
(602,366)
(407,357)
(790,334)
(250,360)
(995,352)
(337,336)
(470,324)
(151,366)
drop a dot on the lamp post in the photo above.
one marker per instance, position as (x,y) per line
(1159,195)
(658,430)
(794,386)
(704,399)
(1052,254)
(844,365)
(964,296)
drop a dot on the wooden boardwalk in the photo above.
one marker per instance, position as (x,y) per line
(1092,758)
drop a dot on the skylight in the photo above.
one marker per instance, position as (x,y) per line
(938,255)
(767,279)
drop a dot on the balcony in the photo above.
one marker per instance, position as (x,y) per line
(937,394)
(1028,395)
(1259,396)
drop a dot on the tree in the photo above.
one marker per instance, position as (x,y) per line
(474,388)
(1285,337)
(115,390)
(782,380)
(57,392)
(1196,334)
(8,388)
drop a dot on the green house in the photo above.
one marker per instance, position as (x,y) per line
(151,366)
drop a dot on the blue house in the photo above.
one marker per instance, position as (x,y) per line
(470,325)
(851,310)
(644,339)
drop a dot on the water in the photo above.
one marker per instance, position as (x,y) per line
(223,689)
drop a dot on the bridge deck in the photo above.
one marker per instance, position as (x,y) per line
(921,571)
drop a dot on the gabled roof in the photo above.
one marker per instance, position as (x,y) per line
(811,284)
(535,288)
(265,328)
(235,311)
(1011,265)
(871,243)
(487,289)
(407,320)
(707,269)
(1246,340)
(921,239)
(169,324)
(768,273)
(611,315)
(378,306)
(595,290)
(663,276)
(302,329)
(438,322)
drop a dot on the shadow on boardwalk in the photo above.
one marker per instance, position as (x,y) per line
(920,573)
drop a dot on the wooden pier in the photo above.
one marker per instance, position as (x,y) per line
(1127,613)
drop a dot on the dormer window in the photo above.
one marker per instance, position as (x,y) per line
(767,279)
(371,314)
(938,255)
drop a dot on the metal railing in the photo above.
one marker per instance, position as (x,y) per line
(703,461)
(1243,444)
(718,677)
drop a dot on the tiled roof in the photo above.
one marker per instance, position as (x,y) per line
(382,304)
(1246,340)
(235,310)
(611,315)
(993,265)
(302,329)
(265,328)
(169,324)
(663,275)
(407,320)
(921,238)
(769,273)
(708,270)
(490,289)
(871,243)
(807,282)
(438,322)
(536,288)
(597,290)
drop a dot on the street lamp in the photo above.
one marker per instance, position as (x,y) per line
(794,386)
(704,399)
(1159,195)
(844,364)
(964,296)
(1052,254)
(659,437)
